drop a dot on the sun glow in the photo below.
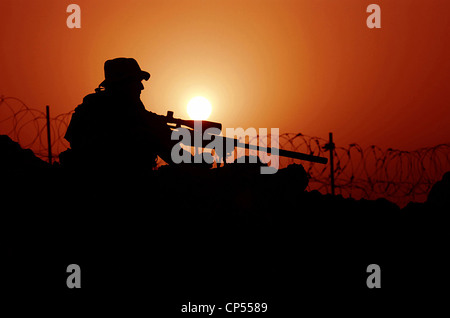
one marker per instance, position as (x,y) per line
(199,108)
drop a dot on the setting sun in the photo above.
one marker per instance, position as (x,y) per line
(199,108)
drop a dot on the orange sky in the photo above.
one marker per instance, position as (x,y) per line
(301,66)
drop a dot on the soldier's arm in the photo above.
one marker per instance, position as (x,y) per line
(159,135)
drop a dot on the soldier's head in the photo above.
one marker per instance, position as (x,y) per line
(123,76)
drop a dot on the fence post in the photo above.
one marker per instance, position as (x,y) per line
(49,139)
(330,147)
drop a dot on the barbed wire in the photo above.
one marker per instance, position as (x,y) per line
(370,173)
(28,127)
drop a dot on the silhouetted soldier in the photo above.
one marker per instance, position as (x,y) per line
(112,129)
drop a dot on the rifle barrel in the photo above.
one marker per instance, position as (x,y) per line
(281,152)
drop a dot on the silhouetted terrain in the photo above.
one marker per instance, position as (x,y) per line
(14,159)
(161,239)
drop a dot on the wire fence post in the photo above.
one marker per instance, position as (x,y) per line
(330,147)
(49,138)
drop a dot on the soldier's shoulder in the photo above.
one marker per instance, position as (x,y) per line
(91,101)
(95,97)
